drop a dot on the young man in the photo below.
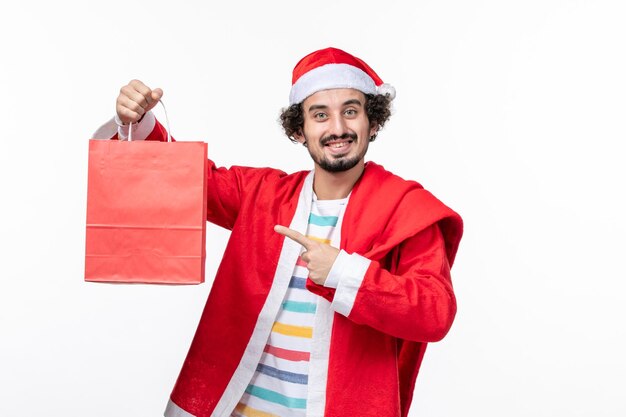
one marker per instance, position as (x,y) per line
(333,281)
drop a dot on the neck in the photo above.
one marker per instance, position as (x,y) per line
(336,185)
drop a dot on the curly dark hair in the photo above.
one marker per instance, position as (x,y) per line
(377,107)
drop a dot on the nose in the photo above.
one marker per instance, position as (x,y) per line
(338,126)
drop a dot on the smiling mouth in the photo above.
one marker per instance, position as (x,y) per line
(338,144)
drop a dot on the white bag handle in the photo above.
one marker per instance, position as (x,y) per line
(167,125)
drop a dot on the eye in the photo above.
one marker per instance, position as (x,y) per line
(350,112)
(320,116)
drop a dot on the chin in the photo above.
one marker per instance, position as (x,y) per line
(338,165)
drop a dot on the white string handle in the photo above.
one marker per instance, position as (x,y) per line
(167,125)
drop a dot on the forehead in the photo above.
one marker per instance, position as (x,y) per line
(333,97)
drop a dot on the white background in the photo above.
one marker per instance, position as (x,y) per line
(511,112)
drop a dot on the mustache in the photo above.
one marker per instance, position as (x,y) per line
(330,138)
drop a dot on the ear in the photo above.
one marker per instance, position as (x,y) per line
(298,136)
(373,129)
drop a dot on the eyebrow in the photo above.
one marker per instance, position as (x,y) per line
(346,103)
(317,107)
(353,101)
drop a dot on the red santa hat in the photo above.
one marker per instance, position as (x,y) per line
(333,68)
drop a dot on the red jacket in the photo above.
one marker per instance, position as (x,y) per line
(371,332)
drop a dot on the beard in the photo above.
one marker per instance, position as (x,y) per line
(338,163)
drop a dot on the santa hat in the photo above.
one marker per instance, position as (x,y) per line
(333,68)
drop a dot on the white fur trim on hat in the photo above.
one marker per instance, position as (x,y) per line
(387,89)
(331,76)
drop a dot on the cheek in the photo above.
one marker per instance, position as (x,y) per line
(313,132)
(361,126)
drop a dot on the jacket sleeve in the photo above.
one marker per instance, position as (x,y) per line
(416,302)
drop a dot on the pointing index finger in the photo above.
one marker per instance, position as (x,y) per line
(294,235)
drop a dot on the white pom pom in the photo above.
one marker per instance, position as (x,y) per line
(387,89)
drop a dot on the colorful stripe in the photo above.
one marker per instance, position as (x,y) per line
(297,282)
(290,330)
(300,262)
(287,354)
(299,307)
(323,220)
(319,239)
(248,411)
(275,397)
(283,375)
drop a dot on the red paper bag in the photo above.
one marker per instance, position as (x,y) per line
(146,212)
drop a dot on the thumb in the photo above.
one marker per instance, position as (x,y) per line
(155,96)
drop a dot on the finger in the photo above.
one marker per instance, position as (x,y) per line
(125,105)
(141,97)
(140,87)
(128,116)
(294,235)
(157,93)
(151,97)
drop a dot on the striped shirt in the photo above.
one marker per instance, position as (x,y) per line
(279,387)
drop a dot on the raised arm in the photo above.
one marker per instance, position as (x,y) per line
(226,187)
